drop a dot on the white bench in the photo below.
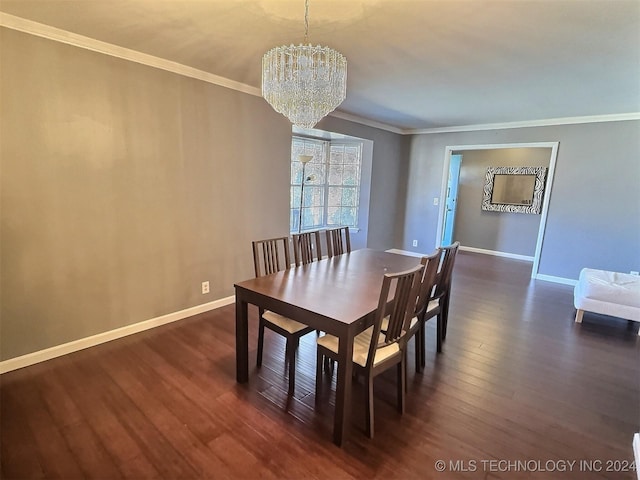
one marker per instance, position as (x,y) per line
(607,293)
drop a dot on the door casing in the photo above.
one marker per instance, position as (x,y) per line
(547,189)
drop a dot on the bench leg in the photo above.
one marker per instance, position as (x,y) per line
(579,314)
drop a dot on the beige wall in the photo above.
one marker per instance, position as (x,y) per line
(388,188)
(123,187)
(505,232)
(594,208)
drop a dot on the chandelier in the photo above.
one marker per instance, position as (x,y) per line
(304,82)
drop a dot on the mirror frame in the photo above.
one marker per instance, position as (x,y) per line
(538,190)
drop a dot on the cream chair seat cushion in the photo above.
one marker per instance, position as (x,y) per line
(433,304)
(283,322)
(385,323)
(361,347)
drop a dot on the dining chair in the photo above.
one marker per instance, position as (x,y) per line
(449,259)
(438,304)
(271,256)
(307,247)
(338,241)
(375,351)
(430,265)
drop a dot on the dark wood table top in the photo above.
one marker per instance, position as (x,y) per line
(344,288)
(337,295)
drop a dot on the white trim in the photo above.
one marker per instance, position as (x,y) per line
(406,252)
(546,278)
(618,117)
(545,210)
(547,189)
(59,35)
(81,344)
(495,253)
(369,123)
(491,146)
(636,452)
(443,195)
(551,278)
(80,41)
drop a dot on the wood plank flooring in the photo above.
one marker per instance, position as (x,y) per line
(517,381)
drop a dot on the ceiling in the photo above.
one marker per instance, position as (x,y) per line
(412,64)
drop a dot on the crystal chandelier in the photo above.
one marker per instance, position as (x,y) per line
(304,82)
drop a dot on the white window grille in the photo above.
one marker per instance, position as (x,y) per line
(331,186)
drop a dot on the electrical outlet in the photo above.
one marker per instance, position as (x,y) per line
(436,200)
(633,272)
(205,287)
(415,243)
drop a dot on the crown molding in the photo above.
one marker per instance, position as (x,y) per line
(529,123)
(63,36)
(369,123)
(80,41)
(56,34)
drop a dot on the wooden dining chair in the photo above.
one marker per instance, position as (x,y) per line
(416,330)
(438,305)
(307,247)
(271,256)
(430,265)
(449,259)
(375,351)
(338,241)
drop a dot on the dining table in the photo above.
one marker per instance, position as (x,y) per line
(337,295)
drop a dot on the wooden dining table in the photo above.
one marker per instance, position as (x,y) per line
(337,295)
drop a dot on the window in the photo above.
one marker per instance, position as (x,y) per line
(331,184)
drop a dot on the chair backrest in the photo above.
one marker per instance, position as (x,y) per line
(429,275)
(407,286)
(306,247)
(338,241)
(271,255)
(443,283)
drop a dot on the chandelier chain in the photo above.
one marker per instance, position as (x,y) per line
(304,82)
(306,20)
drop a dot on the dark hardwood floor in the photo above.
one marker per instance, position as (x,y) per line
(517,381)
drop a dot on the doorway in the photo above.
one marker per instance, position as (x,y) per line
(446,173)
(451,199)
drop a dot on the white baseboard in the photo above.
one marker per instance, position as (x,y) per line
(406,252)
(546,278)
(496,253)
(551,278)
(466,249)
(82,343)
(539,276)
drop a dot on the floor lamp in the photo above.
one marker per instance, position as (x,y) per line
(304,159)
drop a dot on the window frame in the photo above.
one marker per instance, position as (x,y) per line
(325,168)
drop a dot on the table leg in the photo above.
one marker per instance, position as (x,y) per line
(242,340)
(343,390)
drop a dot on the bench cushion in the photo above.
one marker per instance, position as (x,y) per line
(608,293)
